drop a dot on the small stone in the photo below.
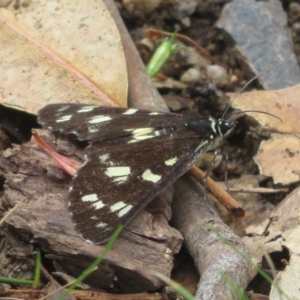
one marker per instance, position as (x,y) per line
(7,153)
(11,151)
(186,8)
(218,75)
(147,43)
(190,76)
(186,22)
(234,79)
(294,12)
(193,58)
(296,27)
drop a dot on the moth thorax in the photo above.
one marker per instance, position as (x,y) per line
(207,127)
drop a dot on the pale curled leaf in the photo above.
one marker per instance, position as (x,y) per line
(281,103)
(277,157)
(282,231)
(68,51)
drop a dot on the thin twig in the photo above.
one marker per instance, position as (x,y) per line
(11,211)
(226,199)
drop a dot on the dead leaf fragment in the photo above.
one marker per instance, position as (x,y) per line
(279,156)
(281,103)
(287,224)
(281,230)
(67,51)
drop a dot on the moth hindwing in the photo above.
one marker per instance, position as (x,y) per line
(132,156)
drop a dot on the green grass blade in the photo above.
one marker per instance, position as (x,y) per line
(37,273)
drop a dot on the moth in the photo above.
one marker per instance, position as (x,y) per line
(132,156)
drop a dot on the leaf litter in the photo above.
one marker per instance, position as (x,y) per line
(278,157)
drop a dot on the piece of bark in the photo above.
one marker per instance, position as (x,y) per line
(43,219)
(212,255)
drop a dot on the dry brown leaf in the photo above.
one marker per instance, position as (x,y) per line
(278,157)
(67,51)
(282,103)
(281,230)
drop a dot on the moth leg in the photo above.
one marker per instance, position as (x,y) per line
(215,153)
(226,172)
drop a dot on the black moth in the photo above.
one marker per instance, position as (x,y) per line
(132,156)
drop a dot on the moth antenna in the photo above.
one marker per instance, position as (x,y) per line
(255,111)
(240,91)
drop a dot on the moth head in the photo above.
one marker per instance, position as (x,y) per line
(224,127)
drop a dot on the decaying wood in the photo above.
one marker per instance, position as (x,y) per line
(214,258)
(147,243)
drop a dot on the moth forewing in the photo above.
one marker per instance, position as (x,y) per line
(133,155)
(124,180)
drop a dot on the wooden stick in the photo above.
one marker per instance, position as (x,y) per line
(226,199)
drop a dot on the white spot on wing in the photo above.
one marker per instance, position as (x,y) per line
(63,108)
(142,131)
(143,137)
(139,138)
(98,204)
(120,208)
(120,179)
(92,129)
(117,171)
(124,211)
(132,141)
(149,176)
(86,109)
(99,119)
(101,225)
(154,113)
(171,161)
(130,111)
(64,118)
(103,158)
(117,206)
(89,198)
